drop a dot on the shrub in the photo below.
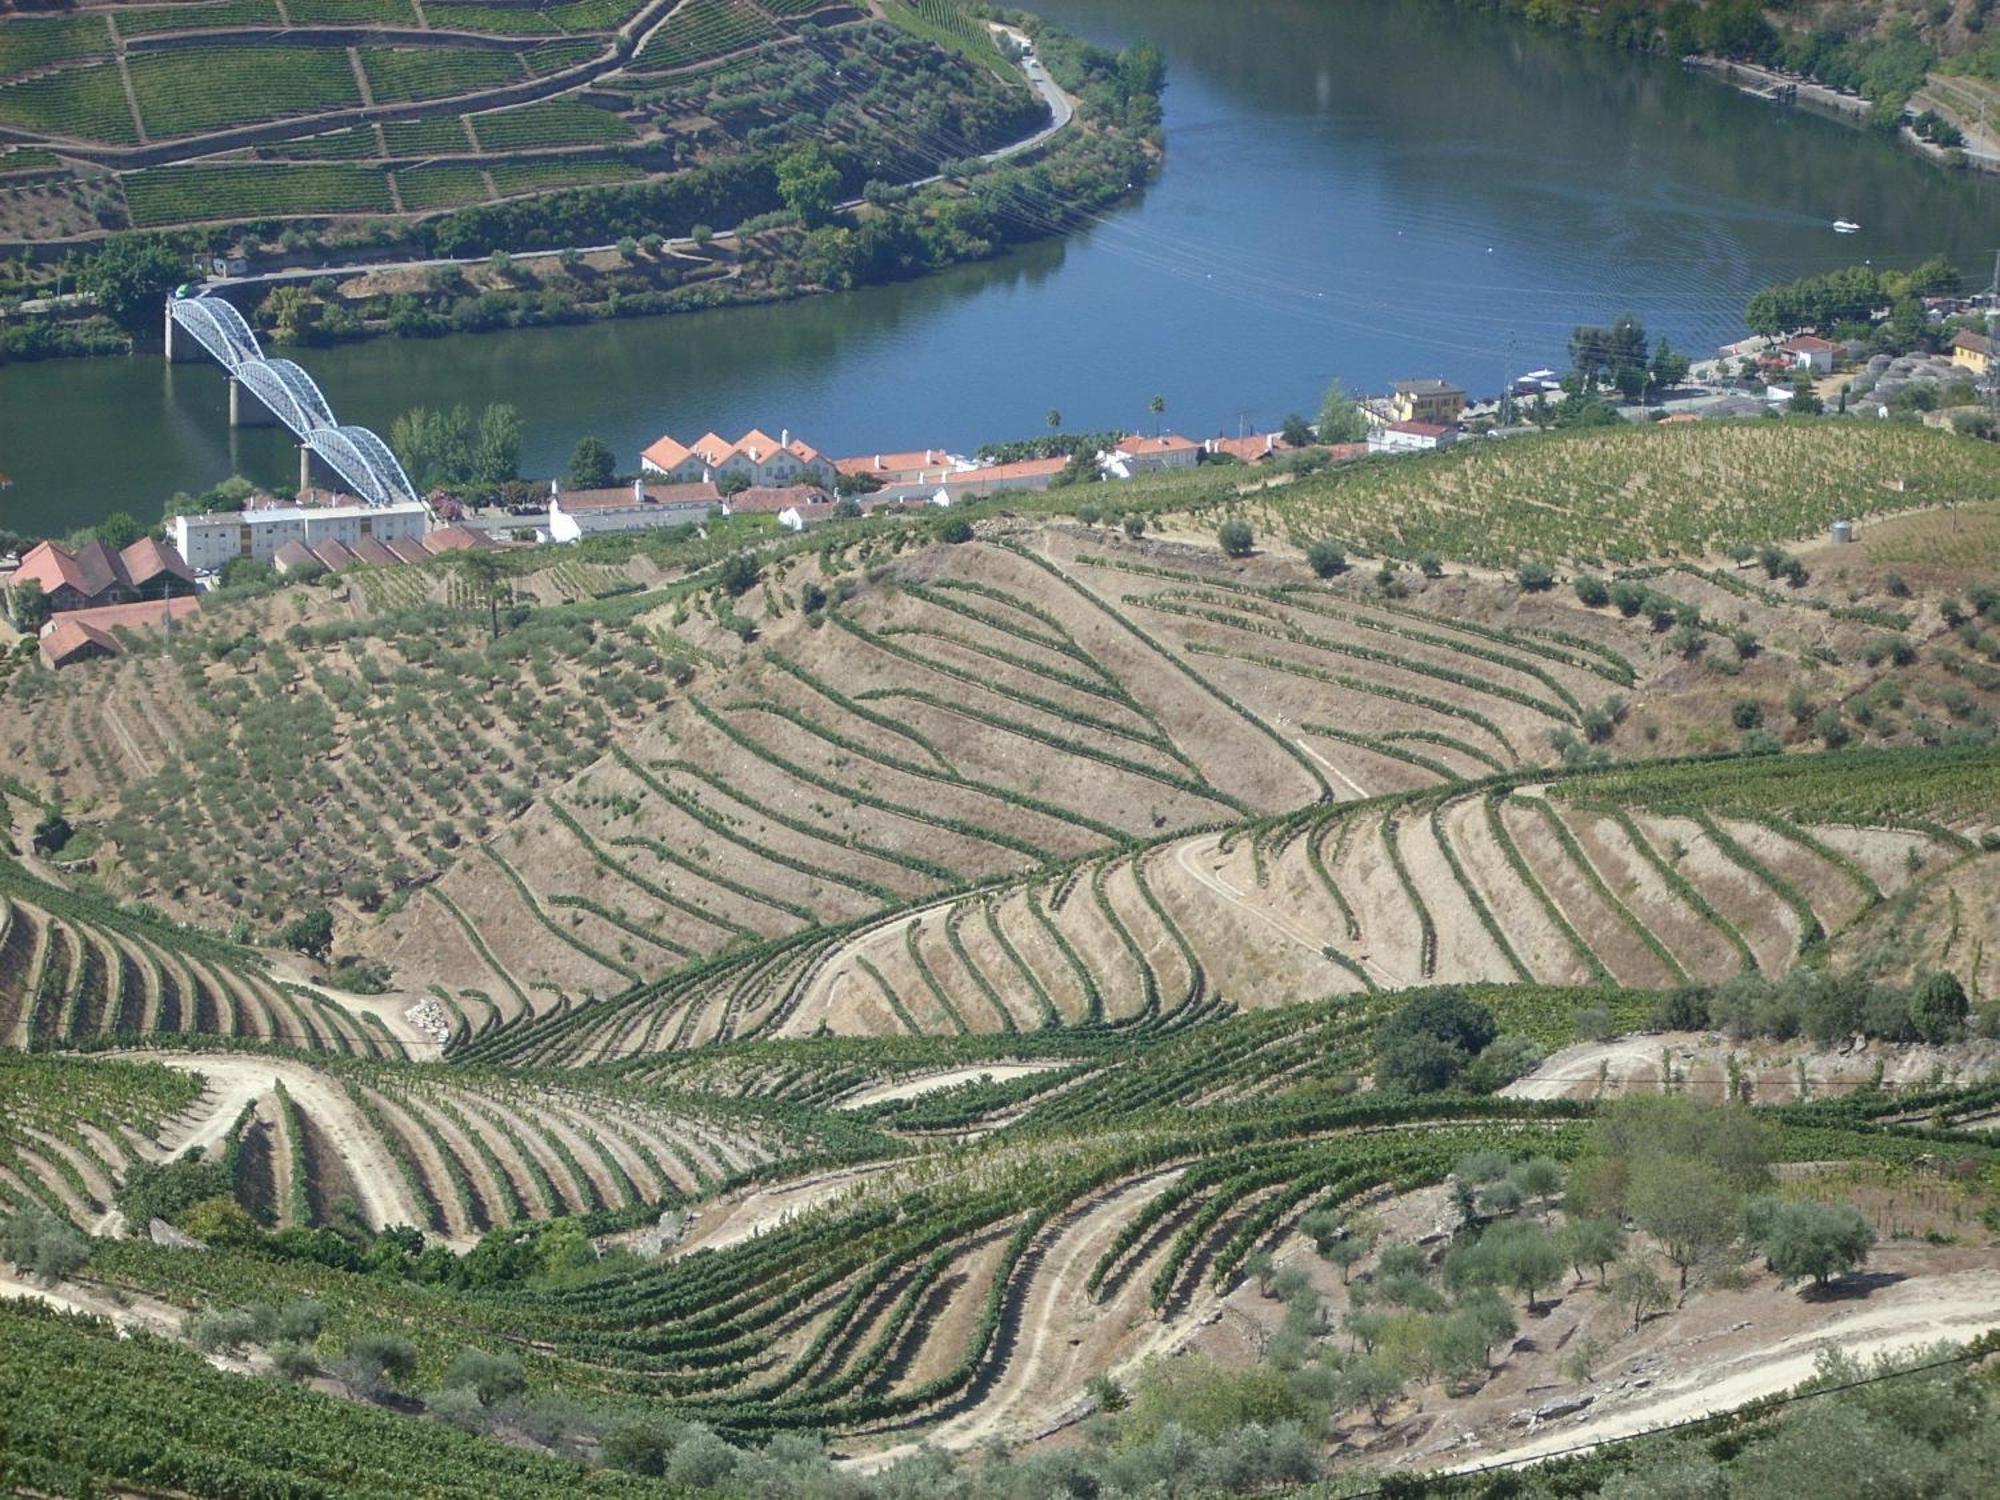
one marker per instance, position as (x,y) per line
(1536,577)
(43,1245)
(1938,1007)
(1236,538)
(1746,713)
(491,1377)
(1135,524)
(1326,559)
(310,933)
(1820,1240)
(1426,1045)
(1593,591)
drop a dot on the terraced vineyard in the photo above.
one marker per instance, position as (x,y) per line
(179,100)
(905,993)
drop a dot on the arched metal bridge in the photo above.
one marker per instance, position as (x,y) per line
(355,453)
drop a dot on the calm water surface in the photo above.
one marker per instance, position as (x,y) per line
(1365,188)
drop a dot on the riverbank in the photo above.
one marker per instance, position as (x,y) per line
(1980,151)
(1079,162)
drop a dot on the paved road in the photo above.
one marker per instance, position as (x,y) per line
(1062,110)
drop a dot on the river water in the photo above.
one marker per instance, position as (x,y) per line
(1373,189)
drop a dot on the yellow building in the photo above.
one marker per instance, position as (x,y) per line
(1432,401)
(1973,351)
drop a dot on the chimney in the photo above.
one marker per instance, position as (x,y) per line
(927,456)
(878,460)
(555,488)
(784,437)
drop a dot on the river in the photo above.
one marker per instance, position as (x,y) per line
(1372,189)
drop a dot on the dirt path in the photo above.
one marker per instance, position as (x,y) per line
(236,1081)
(1359,790)
(412,1044)
(930,1083)
(724,1222)
(1923,1310)
(1188,856)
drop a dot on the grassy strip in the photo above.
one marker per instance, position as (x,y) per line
(1811,930)
(603,960)
(1315,841)
(1448,742)
(1529,882)
(486,954)
(1427,950)
(1479,907)
(658,892)
(632,929)
(1785,828)
(715,824)
(1681,886)
(1051,1017)
(930,980)
(957,914)
(1360,685)
(1575,852)
(889,994)
(1093,1000)
(696,868)
(1380,747)
(1197,978)
(1252,719)
(1149,982)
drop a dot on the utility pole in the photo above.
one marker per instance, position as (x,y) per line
(1507,387)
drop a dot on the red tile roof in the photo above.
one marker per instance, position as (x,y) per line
(295,554)
(336,555)
(881,464)
(1027,468)
(1807,343)
(90,570)
(149,557)
(69,640)
(1171,442)
(370,550)
(1419,429)
(148,614)
(457,539)
(408,549)
(619,497)
(1253,449)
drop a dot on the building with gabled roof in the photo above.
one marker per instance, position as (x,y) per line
(93,575)
(757,456)
(68,642)
(1151,455)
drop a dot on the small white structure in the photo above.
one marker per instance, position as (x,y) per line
(1410,437)
(1031,474)
(580,513)
(1810,352)
(1843,532)
(1150,455)
(209,541)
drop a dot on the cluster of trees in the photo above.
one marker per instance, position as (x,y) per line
(1824,1005)
(1847,300)
(1442,1040)
(1619,355)
(444,448)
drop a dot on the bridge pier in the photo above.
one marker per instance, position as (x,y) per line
(245,410)
(305,467)
(180,350)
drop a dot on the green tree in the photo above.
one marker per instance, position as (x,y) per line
(1341,419)
(1054,420)
(591,464)
(1820,1240)
(956,530)
(1669,367)
(1690,1206)
(131,276)
(807,181)
(1591,1242)
(1938,1006)
(496,449)
(119,530)
(435,446)
(1236,538)
(1326,559)
(310,933)
(491,1377)
(28,604)
(1638,1289)
(1158,407)
(487,577)
(1295,432)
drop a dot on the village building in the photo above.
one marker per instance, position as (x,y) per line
(1030,474)
(773,500)
(1410,437)
(575,514)
(1433,402)
(1972,351)
(892,471)
(756,457)
(208,541)
(1809,352)
(93,575)
(86,634)
(1150,455)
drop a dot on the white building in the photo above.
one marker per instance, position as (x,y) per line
(209,541)
(575,514)
(1410,437)
(1151,455)
(760,459)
